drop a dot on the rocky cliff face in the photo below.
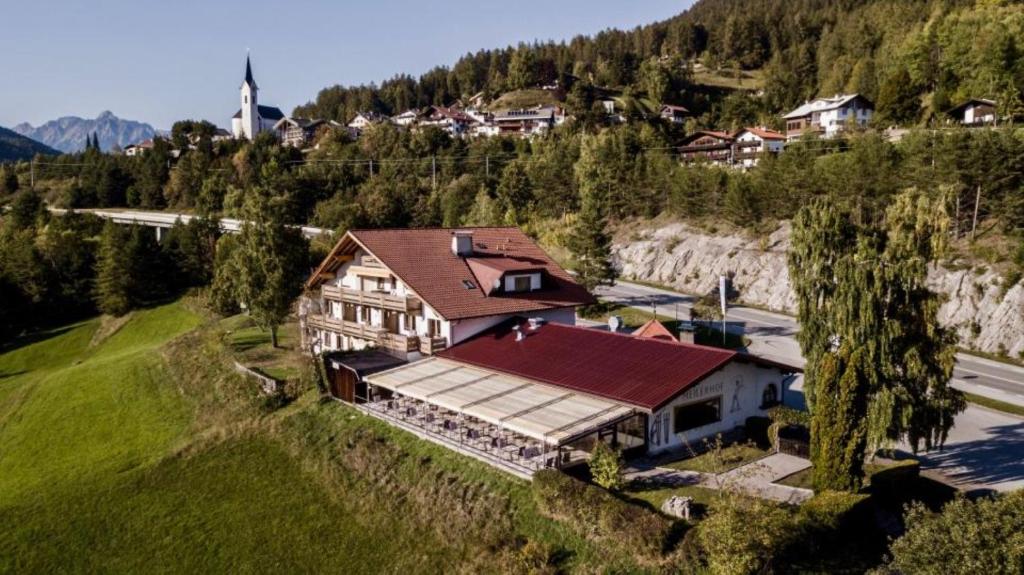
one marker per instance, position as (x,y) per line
(985,316)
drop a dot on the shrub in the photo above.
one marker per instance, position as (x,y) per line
(606,466)
(835,510)
(986,536)
(600,516)
(744,535)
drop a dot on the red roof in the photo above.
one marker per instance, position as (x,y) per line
(654,329)
(647,373)
(423,260)
(764,134)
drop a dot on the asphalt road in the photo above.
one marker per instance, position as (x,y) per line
(772,335)
(985,449)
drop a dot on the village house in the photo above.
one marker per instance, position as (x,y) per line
(138,149)
(708,146)
(674,114)
(413,292)
(452,120)
(406,118)
(364,120)
(828,117)
(752,144)
(300,132)
(974,112)
(529,121)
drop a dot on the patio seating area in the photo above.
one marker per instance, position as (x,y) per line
(513,423)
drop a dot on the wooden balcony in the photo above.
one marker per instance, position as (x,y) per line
(402,344)
(372,299)
(432,345)
(390,342)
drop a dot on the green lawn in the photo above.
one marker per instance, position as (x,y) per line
(142,451)
(730,458)
(995,404)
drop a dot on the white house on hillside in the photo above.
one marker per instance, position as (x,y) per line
(751,144)
(829,116)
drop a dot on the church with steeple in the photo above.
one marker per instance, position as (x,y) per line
(253,118)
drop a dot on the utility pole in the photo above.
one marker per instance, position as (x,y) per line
(371,167)
(32,175)
(433,172)
(977,200)
(487,165)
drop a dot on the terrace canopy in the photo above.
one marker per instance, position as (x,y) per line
(546,413)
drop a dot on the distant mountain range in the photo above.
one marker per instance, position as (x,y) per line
(14,147)
(68,134)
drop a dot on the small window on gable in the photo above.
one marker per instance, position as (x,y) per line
(468,284)
(520,283)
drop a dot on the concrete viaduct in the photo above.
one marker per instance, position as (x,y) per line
(163,221)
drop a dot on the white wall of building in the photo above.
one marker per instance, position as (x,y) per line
(741,388)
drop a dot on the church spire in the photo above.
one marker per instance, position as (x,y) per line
(248,73)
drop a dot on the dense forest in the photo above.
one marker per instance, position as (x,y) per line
(933,52)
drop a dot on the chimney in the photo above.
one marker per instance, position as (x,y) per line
(520,336)
(535,323)
(462,244)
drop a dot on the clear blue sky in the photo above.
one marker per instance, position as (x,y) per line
(159,61)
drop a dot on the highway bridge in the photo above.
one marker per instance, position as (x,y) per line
(165,220)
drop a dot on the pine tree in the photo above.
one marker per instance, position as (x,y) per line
(113,284)
(590,242)
(8,181)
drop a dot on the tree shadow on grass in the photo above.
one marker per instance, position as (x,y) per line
(34,337)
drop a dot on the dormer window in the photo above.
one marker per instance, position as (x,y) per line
(468,284)
(516,283)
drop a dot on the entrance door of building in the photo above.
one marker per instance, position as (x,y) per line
(342,384)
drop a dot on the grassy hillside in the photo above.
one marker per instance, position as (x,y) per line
(131,446)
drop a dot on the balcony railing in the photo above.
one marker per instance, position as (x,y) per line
(432,345)
(372,299)
(390,342)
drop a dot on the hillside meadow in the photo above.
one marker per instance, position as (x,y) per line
(129,446)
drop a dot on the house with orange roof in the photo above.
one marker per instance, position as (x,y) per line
(412,292)
(752,144)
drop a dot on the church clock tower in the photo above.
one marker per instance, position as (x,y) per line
(250,108)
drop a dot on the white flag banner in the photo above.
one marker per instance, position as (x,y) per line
(721,293)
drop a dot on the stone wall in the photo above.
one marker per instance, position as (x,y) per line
(689,260)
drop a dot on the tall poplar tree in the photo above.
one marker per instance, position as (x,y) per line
(878,361)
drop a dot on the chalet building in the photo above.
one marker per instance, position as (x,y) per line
(526,394)
(529,121)
(406,118)
(452,120)
(828,117)
(974,112)
(138,149)
(412,292)
(300,132)
(674,114)
(752,144)
(364,120)
(708,146)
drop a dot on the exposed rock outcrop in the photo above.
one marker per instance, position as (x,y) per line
(986,316)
